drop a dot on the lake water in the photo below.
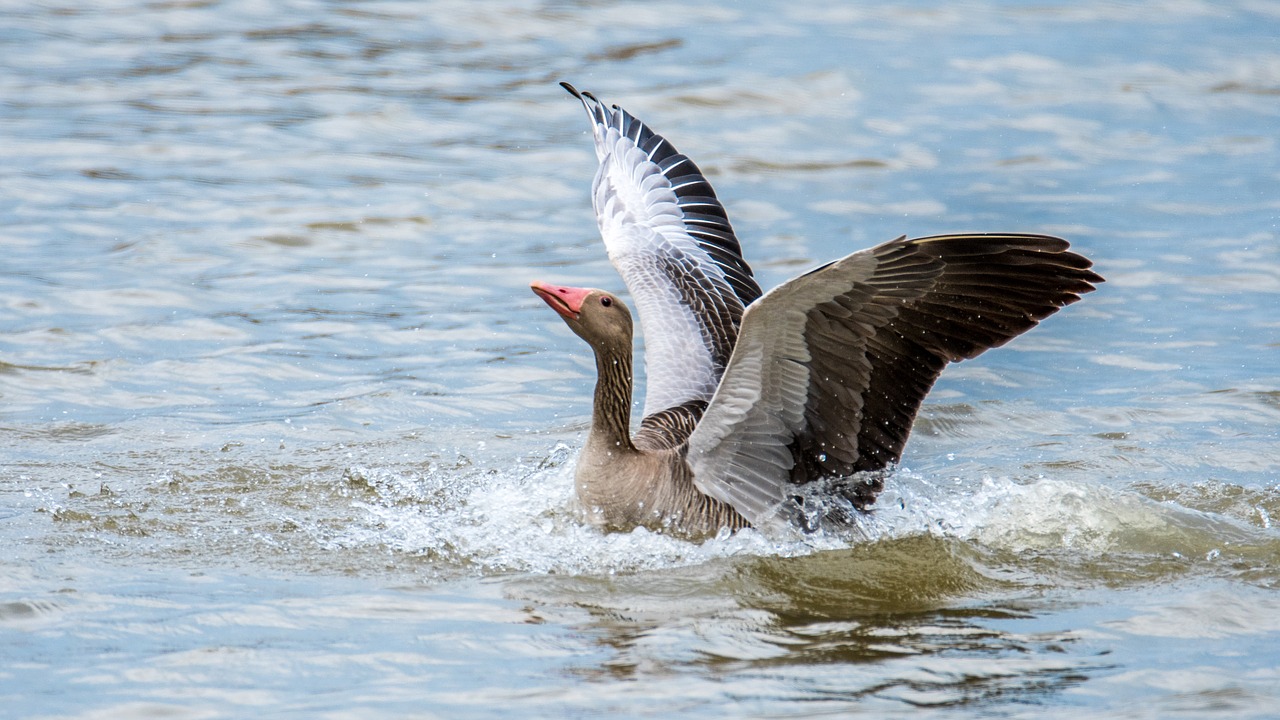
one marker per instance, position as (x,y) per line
(283,433)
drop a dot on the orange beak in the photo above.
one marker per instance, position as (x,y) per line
(565,300)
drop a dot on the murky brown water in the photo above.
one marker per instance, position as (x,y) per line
(284,434)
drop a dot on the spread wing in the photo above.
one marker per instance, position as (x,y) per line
(831,367)
(670,240)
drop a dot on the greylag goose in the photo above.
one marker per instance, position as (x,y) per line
(777,410)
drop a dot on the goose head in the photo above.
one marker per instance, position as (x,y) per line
(596,316)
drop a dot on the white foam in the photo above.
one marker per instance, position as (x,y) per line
(1044,513)
(524,519)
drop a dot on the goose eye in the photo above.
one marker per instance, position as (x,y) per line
(606,301)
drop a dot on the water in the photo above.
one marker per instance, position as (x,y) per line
(285,434)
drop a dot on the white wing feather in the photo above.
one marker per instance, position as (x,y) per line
(674,248)
(645,236)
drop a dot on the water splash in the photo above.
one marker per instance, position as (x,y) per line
(524,519)
(1047,514)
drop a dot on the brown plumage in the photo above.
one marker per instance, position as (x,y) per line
(756,403)
(624,482)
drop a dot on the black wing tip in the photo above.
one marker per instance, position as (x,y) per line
(1050,245)
(595,109)
(583,95)
(1040,241)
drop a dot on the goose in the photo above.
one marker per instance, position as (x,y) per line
(783,410)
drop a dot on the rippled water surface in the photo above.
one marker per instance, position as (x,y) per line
(284,434)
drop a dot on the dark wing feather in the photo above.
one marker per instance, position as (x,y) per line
(853,349)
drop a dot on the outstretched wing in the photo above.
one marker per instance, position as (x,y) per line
(831,367)
(670,240)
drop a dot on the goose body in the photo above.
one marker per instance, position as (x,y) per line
(756,401)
